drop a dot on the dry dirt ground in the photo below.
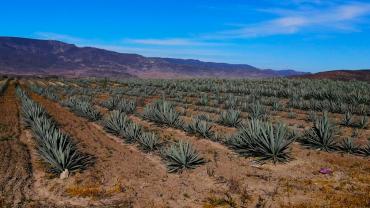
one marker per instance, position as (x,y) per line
(124,176)
(15,161)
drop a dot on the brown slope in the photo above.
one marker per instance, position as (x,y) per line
(343,75)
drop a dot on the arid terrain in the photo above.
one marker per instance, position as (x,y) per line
(122,169)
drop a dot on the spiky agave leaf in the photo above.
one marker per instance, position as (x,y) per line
(57,149)
(115,122)
(321,135)
(197,126)
(111,103)
(180,156)
(365,150)
(347,120)
(264,141)
(126,106)
(131,132)
(163,112)
(148,141)
(230,118)
(348,146)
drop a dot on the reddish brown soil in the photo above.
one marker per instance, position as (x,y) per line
(15,166)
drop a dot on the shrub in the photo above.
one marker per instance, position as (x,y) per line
(115,122)
(111,103)
(348,146)
(82,108)
(126,106)
(365,150)
(163,112)
(230,118)
(131,132)
(347,120)
(203,128)
(257,111)
(264,141)
(321,135)
(149,141)
(180,156)
(362,123)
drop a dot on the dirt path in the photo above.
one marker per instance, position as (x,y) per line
(15,166)
(123,174)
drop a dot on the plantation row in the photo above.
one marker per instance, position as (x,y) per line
(256,137)
(331,96)
(177,156)
(55,148)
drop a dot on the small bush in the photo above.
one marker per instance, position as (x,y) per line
(230,118)
(321,135)
(149,141)
(200,127)
(180,156)
(264,141)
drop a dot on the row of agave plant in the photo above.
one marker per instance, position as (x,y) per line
(258,137)
(3,86)
(271,142)
(56,149)
(178,156)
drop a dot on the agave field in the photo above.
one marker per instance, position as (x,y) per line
(184,143)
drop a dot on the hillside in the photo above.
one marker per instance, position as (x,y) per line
(344,75)
(49,57)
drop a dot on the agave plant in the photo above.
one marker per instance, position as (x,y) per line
(126,106)
(203,128)
(257,111)
(115,122)
(163,112)
(57,149)
(362,123)
(230,118)
(264,141)
(321,135)
(111,103)
(148,141)
(365,150)
(347,120)
(348,146)
(131,132)
(54,148)
(180,156)
(83,108)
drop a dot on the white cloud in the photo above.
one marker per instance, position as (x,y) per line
(338,18)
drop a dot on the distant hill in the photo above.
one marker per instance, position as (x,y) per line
(344,75)
(49,57)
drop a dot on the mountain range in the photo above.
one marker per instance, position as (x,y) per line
(24,56)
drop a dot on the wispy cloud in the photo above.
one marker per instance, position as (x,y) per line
(336,18)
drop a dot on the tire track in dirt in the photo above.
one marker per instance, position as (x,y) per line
(15,166)
(143,177)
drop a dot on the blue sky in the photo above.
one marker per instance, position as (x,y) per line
(306,35)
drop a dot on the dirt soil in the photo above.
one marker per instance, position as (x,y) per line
(15,166)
